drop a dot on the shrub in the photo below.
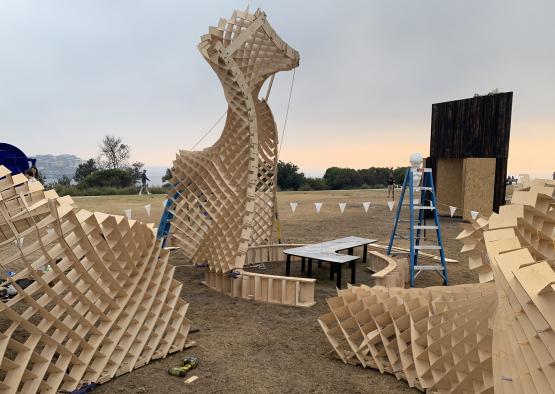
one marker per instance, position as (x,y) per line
(114,177)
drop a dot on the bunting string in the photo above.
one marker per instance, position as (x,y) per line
(390,205)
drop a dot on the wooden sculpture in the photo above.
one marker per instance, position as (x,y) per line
(223,198)
(107,304)
(496,336)
(436,338)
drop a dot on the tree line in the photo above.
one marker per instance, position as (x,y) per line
(111,173)
(336,178)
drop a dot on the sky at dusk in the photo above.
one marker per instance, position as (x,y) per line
(72,71)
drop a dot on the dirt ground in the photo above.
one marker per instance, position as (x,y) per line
(248,347)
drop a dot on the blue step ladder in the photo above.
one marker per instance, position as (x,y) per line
(417,207)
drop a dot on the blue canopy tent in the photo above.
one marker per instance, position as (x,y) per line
(14,159)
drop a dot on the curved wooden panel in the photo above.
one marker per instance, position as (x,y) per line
(224,196)
(107,303)
(497,336)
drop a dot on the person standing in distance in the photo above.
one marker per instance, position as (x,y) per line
(144,185)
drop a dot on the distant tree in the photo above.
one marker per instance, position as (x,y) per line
(167,176)
(343,178)
(114,177)
(113,153)
(314,184)
(84,169)
(375,175)
(136,170)
(399,175)
(64,181)
(288,176)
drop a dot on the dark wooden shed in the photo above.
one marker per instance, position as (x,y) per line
(473,128)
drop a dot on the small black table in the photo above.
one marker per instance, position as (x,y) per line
(327,251)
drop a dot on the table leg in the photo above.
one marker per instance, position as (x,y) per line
(332,268)
(350,252)
(353,271)
(319,263)
(288,265)
(338,282)
(365,254)
(302,264)
(309,271)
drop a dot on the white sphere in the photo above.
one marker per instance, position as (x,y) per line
(416,159)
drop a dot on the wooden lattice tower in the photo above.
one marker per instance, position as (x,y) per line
(106,305)
(223,198)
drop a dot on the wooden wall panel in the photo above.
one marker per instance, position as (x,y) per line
(477,127)
(473,127)
(449,186)
(478,182)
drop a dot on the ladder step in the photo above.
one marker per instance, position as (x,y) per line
(423,207)
(425,227)
(429,247)
(429,267)
(407,237)
(420,188)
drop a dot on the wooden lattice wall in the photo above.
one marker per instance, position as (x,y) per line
(496,336)
(107,303)
(223,198)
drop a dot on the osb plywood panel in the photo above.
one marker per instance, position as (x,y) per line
(223,197)
(107,303)
(478,186)
(449,184)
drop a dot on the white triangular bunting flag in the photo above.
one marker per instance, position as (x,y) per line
(342,206)
(293,206)
(164,203)
(390,205)
(318,206)
(147,209)
(474,214)
(452,210)
(128,213)
(366,205)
